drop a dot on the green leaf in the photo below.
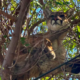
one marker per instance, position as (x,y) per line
(24,27)
(79,36)
(37,3)
(71,6)
(22,39)
(27,44)
(58,3)
(44,23)
(5,36)
(65,3)
(70,55)
(78,27)
(12,9)
(47,77)
(3,68)
(42,79)
(0,77)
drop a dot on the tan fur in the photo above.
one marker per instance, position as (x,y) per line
(40,42)
(55,47)
(56,27)
(58,49)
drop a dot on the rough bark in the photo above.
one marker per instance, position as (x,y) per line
(13,44)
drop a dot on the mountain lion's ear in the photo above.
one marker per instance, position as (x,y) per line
(70,12)
(47,12)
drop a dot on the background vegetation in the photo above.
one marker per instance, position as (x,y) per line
(15,21)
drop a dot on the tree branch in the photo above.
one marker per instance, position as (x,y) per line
(41,2)
(13,44)
(1,58)
(8,16)
(34,25)
(76,21)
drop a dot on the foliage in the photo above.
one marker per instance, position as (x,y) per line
(35,14)
(0,78)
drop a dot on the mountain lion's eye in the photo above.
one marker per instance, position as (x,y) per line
(58,21)
(61,15)
(53,21)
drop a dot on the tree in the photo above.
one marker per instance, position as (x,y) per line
(22,23)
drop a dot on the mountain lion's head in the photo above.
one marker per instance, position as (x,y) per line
(56,20)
